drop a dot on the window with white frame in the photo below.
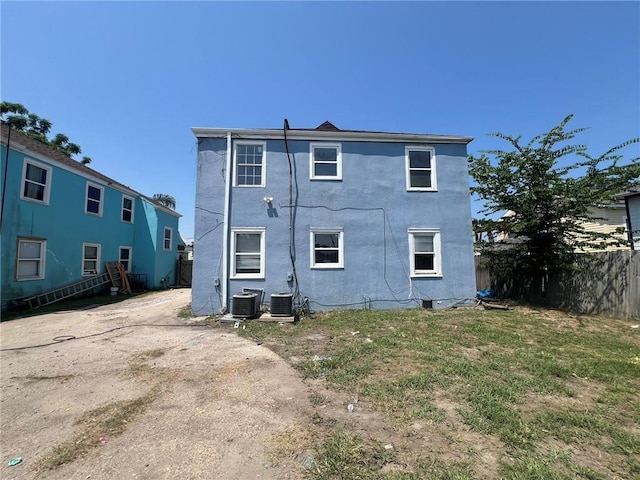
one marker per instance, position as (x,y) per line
(94,199)
(36,181)
(327,248)
(421,168)
(30,260)
(424,246)
(326,161)
(127,209)
(247,246)
(168,238)
(90,258)
(250,164)
(124,258)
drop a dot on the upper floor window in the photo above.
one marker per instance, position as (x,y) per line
(424,246)
(36,181)
(421,168)
(31,257)
(90,258)
(250,164)
(247,245)
(127,209)
(326,161)
(327,250)
(168,238)
(94,199)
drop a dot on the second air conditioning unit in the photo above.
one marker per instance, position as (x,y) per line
(281,304)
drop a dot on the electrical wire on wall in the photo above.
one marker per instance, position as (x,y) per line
(298,302)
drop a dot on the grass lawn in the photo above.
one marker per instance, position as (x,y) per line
(460,394)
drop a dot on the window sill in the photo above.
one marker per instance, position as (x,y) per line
(30,279)
(326,179)
(247,277)
(34,200)
(331,266)
(426,275)
(422,189)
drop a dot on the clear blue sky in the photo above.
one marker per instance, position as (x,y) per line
(126,80)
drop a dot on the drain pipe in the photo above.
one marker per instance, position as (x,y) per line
(225,239)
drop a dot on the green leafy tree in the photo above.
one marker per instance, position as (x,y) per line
(16,115)
(166,200)
(549,197)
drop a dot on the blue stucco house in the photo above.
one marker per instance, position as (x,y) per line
(61,221)
(338,218)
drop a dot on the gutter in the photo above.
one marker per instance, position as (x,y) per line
(224,284)
(328,135)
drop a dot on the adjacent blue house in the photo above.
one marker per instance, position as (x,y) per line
(61,221)
(338,218)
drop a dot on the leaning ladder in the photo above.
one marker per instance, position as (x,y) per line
(61,293)
(118,276)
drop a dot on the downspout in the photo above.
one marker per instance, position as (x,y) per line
(225,239)
(628,225)
(4,179)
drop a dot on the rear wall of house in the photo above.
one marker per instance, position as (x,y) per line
(372,207)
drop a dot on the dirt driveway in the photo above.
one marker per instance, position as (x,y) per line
(143,402)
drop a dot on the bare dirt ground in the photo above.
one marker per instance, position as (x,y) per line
(144,402)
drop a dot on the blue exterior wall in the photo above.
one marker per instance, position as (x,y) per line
(65,226)
(372,206)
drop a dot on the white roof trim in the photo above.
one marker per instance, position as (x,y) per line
(327,135)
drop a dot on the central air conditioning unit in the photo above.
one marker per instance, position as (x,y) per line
(244,305)
(281,304)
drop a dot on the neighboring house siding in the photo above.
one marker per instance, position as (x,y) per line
(370,206)
(65,227)
(608,220)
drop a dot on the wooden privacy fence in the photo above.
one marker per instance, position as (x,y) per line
(604,283)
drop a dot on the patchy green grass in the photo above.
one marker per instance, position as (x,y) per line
(556,396)
(104,422)
(185,312)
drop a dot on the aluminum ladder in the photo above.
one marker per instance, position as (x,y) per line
(61,293)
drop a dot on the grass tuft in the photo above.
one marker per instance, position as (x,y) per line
(107,421)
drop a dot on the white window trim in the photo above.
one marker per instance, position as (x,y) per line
(133,204)
(437,247)
(434,176)
(126,247)
(338,147)
(98,266)
(43,258)
(86,199)
(263,180)
(312,254)
(47,187)
(164,231)
(257,230)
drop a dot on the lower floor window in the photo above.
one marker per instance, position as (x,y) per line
(90,258)
(125,258)
(327,248)
(31,257)
(424,245)
(248,252)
